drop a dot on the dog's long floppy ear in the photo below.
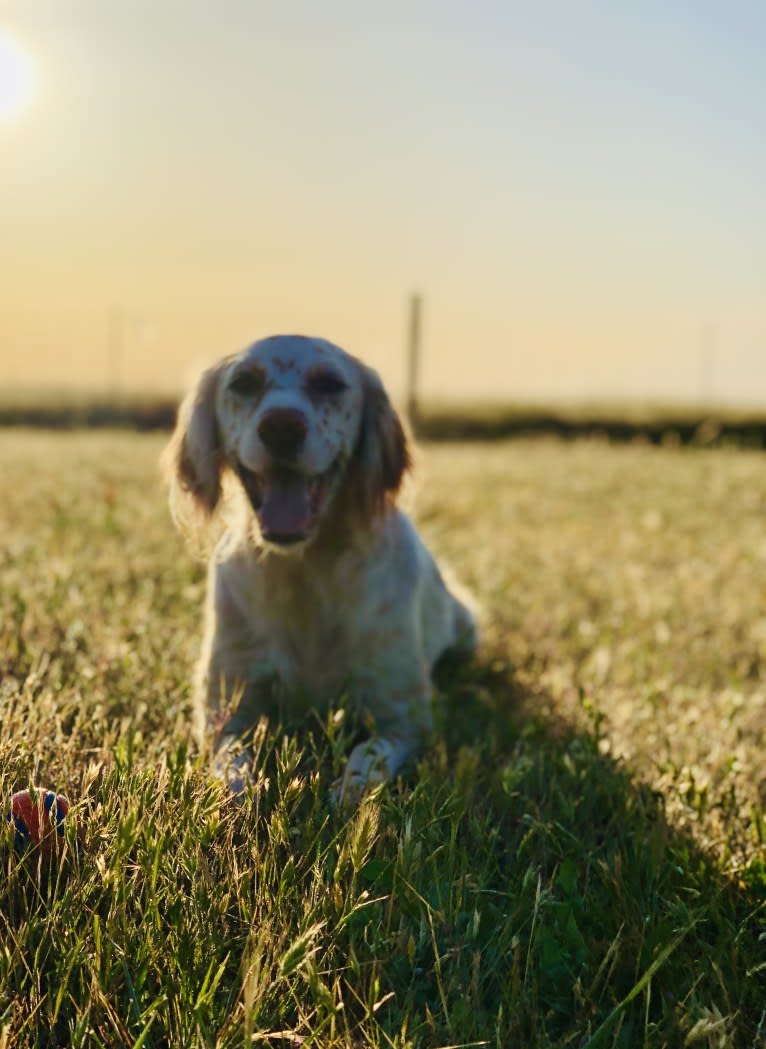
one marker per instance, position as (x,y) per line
(193,459)
(382,454)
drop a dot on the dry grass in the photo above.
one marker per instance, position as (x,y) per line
(579,861)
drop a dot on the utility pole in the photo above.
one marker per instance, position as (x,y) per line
(114,347)
(413,360)
(707,363)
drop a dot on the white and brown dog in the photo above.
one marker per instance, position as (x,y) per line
(320,585)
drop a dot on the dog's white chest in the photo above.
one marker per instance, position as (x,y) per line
(317,652)
(303,627)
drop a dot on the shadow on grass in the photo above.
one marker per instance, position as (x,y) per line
(634,929)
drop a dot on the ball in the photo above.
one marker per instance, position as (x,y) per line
(38,819)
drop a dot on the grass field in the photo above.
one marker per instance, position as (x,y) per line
(579,861)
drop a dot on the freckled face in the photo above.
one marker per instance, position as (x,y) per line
(289,410)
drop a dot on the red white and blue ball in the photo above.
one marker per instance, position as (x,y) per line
(38,818)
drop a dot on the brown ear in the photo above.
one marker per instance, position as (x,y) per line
(382,454)
(193,458)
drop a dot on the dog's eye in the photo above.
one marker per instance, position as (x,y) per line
(325,383)
(248,384)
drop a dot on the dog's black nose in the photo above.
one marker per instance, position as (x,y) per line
(283,431)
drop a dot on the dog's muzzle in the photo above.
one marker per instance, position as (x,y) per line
(286,502)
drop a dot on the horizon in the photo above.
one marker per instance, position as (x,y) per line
(577,195)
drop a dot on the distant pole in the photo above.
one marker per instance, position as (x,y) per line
(413,354)
(114,340)
(708,359)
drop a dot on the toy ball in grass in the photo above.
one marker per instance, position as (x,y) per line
(38,818)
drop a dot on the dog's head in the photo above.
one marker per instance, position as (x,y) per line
(302,425)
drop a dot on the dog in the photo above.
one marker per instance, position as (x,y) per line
(320,585)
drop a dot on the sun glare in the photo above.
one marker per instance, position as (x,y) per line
(17,78)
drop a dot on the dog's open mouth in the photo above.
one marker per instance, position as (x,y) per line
(286,502)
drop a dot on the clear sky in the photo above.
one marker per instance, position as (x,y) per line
(578,189)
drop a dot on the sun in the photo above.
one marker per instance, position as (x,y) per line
(17,78)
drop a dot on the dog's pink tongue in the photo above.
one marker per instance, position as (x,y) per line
(285,509)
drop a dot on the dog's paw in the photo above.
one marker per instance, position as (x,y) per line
(348,791)
(232,765)
(368,767)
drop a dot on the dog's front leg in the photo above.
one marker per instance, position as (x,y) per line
(234,686)
(232,741)
(400,706)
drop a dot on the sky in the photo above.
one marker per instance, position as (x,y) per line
(577,190)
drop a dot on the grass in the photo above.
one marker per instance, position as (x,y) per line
(578,861)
